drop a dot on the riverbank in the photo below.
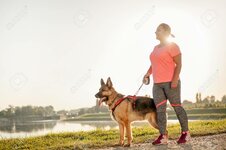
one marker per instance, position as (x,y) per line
(107,138)
(193,114)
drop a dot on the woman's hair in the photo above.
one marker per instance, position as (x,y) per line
(167,28)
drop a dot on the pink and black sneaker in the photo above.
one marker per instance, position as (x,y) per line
(185,137)
(162,139)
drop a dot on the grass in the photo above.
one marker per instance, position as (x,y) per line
(105,138)
(213,116)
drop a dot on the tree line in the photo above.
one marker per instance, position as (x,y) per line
(25,111)
(209,99)
(32,111)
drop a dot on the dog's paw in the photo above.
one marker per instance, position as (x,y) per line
(119,144)
(127,145)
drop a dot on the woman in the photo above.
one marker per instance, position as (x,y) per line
(165,69)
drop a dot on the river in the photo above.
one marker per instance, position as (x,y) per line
(37,128)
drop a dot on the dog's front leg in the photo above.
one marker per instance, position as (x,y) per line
(121,129)
(129,134)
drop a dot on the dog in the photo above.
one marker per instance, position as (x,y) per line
(125,110)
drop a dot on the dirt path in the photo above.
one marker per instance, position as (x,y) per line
(210,142)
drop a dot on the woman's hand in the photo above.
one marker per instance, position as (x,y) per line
(146,75)
(146,78)
(174,84)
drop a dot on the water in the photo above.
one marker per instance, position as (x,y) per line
(37,128)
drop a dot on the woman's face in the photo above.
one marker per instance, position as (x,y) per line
(161,33)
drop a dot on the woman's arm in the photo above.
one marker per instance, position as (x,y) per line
(149,72)
(178,62)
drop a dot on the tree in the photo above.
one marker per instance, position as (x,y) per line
(18,111)
(10,111)
(49,110)
(3,113)
(212,99)
(198,98)
(206,100)
(27,110)
(81,111)
(41,111)
(223,99)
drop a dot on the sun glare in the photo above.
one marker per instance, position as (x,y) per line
(170,39)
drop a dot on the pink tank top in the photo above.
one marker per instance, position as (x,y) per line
(162,62)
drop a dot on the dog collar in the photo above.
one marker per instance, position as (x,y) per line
(112,101)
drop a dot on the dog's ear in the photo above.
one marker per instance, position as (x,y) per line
(109,83)
(102,82)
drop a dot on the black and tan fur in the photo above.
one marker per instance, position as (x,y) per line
(125,112)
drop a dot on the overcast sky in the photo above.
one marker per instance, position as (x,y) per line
(54,52)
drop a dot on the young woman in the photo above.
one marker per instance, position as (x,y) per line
(165,69)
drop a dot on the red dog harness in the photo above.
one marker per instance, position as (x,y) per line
(122,99)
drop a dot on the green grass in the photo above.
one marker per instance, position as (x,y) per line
(103,138)
(213,116)
(208,111)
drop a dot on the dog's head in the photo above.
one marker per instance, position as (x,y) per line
(106,91)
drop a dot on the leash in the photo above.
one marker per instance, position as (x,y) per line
(129,96)
(145,81)
(138,89)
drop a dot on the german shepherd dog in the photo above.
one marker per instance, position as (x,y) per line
(129,110)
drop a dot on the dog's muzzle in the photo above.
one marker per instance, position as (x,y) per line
(101,98)
(97,95)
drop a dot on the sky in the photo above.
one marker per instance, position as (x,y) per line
(54,52)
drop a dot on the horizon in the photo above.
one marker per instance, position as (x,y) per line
(55,53)
(216,100)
